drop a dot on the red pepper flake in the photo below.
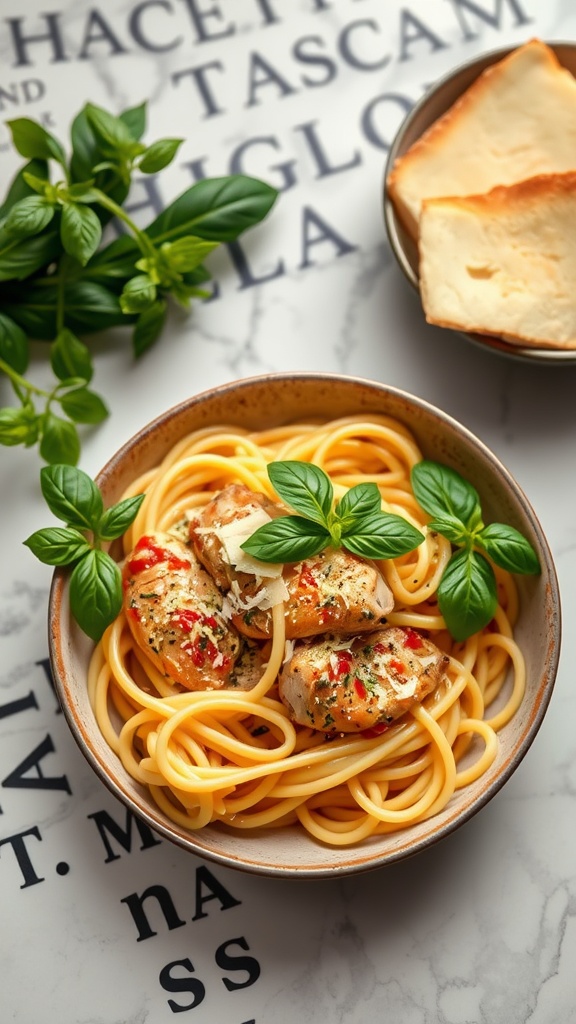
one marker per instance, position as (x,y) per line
(211,651)
(198,656)
(341,667)
(375,730)
(185,618)
(412,639)
(398,666)
(360,688)
(178,563)
(144,542)
(152,554)
(195,651)
(134,613)
(201,649)
(210,621)
(307,579)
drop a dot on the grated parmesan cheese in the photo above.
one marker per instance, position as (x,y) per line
(271,593)
(233,535)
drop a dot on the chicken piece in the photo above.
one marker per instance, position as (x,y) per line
(174,610)
(231,505)
(336,685)
(333,590)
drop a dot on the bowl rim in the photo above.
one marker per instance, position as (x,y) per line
(541,356)
(192,841)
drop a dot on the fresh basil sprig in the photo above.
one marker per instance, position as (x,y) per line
(356,522)
(59,282)
(96,580)
(467,594)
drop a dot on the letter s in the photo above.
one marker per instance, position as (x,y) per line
(237,963)
(171,984)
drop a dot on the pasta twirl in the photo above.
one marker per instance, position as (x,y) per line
(235,757)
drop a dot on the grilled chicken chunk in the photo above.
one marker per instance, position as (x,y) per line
(339,685)
(333,591)
(231,505)
(174,610)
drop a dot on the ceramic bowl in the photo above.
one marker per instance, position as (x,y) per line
(435,102)
(260,402)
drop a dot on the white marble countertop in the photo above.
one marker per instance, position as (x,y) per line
(480,929)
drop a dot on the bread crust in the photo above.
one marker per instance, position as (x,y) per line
(478,143)
(504,262)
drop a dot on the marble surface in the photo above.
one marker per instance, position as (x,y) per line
(478,930)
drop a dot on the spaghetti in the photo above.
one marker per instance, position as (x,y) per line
(236,757)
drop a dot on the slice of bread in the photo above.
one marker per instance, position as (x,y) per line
(504,262)
(516,121)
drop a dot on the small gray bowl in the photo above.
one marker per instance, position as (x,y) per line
(267,401)
(435,102)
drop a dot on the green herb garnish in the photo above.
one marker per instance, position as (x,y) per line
(58,283)
(356,522)
(96,580)
(467,595)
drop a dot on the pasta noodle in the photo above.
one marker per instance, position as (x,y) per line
(235,757)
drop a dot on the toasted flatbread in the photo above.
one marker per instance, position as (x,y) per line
(503,262)
(517,121)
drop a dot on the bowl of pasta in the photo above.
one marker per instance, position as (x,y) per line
(338,629)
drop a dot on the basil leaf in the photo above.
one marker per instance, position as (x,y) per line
(13,344)
(360,500)
(39,186)
(110,131)
(187,253)
(70,357)
(83,192)
(219,209)
(508,549)
(287,539)
(20,257)
(85,150)
(200,275)
(84,406)
(138,294)
(87,155)
(80,231)
(116,260)
(116,520)
(149,326)
(95,592)
(450,527)
(89,307)
(20,187)
(72,495)
(440,490)
(184,293)
(29,216)
(382,535)
(18,426)
(57,545)
(467,595)
(33,141)
(59,441)
(135,120)
(304,487)
(159,155)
